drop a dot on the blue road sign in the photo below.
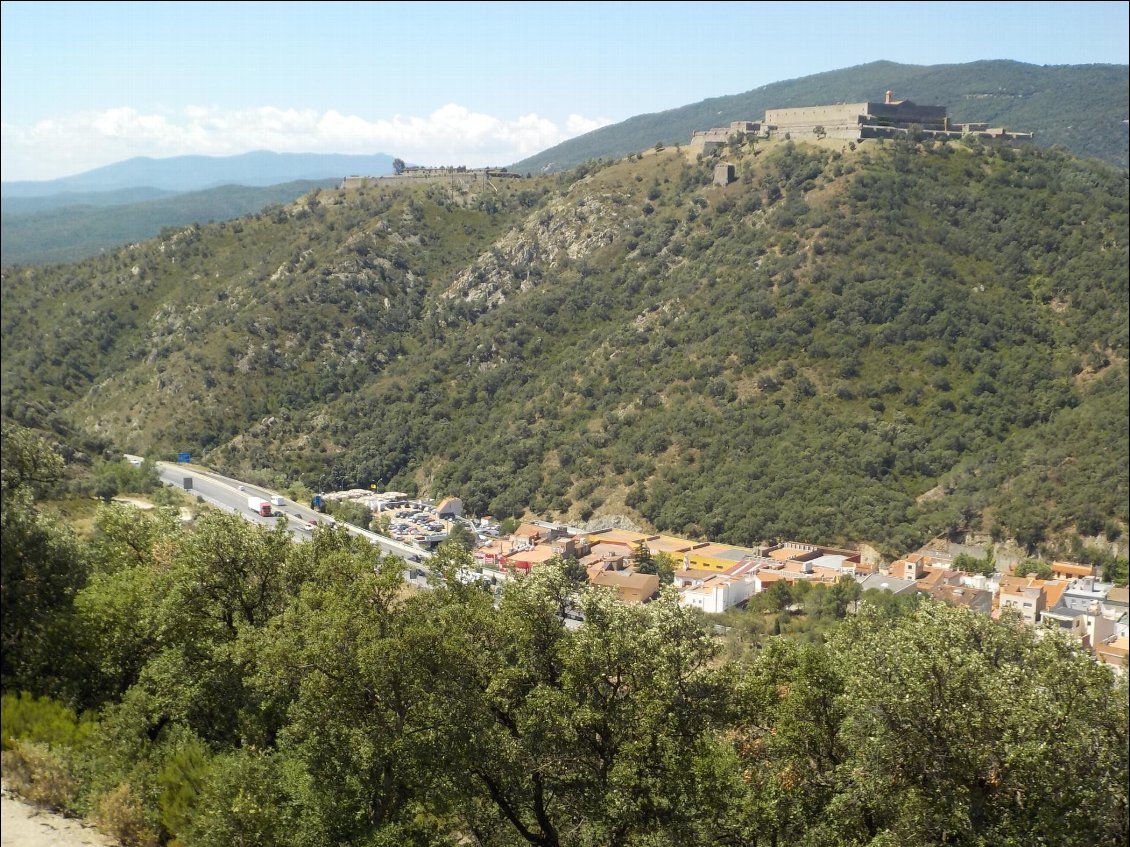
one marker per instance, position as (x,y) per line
(184,457)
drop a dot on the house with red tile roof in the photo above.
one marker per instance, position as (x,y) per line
(631,587)
(1072,570)
(1030,595)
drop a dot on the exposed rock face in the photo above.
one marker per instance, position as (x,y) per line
(567,230)
(612,522)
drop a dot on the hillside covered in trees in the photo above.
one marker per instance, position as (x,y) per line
(219,685)
(874,343)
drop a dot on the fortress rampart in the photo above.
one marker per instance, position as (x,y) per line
(464,177)
(852,122)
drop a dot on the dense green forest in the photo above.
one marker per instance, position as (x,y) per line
(876,343)
(220,685)
(1080,107)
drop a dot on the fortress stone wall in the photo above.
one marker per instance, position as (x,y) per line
(858,120)
(462,177)
(852,122)
(709,140)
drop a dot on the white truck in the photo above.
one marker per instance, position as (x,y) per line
(260,506)
(277,500)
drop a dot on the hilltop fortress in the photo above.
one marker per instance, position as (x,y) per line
(852,122)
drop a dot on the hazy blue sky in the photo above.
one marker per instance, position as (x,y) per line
(470,83)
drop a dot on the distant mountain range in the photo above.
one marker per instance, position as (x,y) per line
(195,173)
(68,219)
(1082,107)
(121,197)
(72,232)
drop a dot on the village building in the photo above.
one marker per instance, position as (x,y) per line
(529,534)
(619,536)
(1073,570)
(671,546)
(1114,652)
(891,584)
(450,507)
(570,546)
(941,577)
(524,560)
(973,599)
(631,587)
(714,593)
(1029,595)
(609,555)
(716,557)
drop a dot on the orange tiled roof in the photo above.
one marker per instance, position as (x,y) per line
(1053,590)
(618,536)
(645,584)
(1114,653)
(537,555)
(671,544)
(1072,569)
(932,578)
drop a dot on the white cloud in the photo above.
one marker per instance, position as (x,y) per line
(578,125)
(452,134)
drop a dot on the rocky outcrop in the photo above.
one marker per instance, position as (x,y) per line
(566,231)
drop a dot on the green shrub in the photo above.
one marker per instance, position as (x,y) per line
(39,775)
(180,781)
(41,720)
(244,801)
(122,815)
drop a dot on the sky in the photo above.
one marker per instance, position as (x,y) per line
(87,84)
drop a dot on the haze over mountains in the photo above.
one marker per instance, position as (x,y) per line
(66,233)
(196,173)
(73,217)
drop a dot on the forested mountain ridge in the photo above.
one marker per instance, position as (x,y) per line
(260,168)
(1082,107)
(872,344)
(70,232)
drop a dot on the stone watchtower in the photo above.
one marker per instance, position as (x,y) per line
(723,174)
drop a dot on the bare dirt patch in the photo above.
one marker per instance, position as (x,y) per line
(24,825)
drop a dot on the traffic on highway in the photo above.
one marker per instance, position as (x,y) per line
(236,496)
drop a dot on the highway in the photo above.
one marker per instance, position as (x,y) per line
(231,494)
